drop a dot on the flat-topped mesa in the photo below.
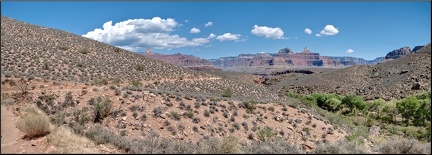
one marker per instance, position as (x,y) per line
(286,50)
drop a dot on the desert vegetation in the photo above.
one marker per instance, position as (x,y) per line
(105,99)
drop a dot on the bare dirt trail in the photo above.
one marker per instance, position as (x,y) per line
(9,133)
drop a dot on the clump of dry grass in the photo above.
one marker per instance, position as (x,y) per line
(404,146)
(339,147)
(34,125)
(67,142)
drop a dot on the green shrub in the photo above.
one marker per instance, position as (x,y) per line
(68,100)
(175,116)
(136,83)
(189,114)
(62,47)
(265,134)
(80,116)
(332,104)
(227,93)
(249,106)
(140,67)
(294,95)
(83,51)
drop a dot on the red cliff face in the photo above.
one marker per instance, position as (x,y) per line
(285,57)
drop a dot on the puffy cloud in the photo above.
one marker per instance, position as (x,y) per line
(195,30)
(211,36)
(228,36)
(134,34)
(308,31)
(268,32)
(350,51)
(329,30)
(208,24)
(318,35)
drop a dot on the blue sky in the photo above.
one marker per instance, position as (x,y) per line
(358,29)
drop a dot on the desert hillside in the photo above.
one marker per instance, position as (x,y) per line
(63,93)
(59,73)
(391,79)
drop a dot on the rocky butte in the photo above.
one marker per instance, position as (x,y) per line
(397,53)
(285,57)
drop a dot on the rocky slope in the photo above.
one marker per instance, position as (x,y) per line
(35,51)
(396,78)
(397,53)
(63,75)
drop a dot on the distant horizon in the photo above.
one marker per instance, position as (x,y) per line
(277,52)
(364,30)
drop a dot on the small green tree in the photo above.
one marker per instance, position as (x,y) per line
(407,107)
(388,112)
(353,102)
(102,109)
(333,104)
(376,105)
(266,134)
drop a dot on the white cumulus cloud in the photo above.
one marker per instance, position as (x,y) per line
(308,31)
(350,51)
(329,30)
(134,34)
(211,36)
(228,36)
(268,32)
(195,30)
(208,24)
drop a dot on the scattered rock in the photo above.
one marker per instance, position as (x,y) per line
(303,133)
(104,148)
(308,146)
(290,128)
(50,149)
(403,72)
(416,86)
(374,130)
(299,120)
